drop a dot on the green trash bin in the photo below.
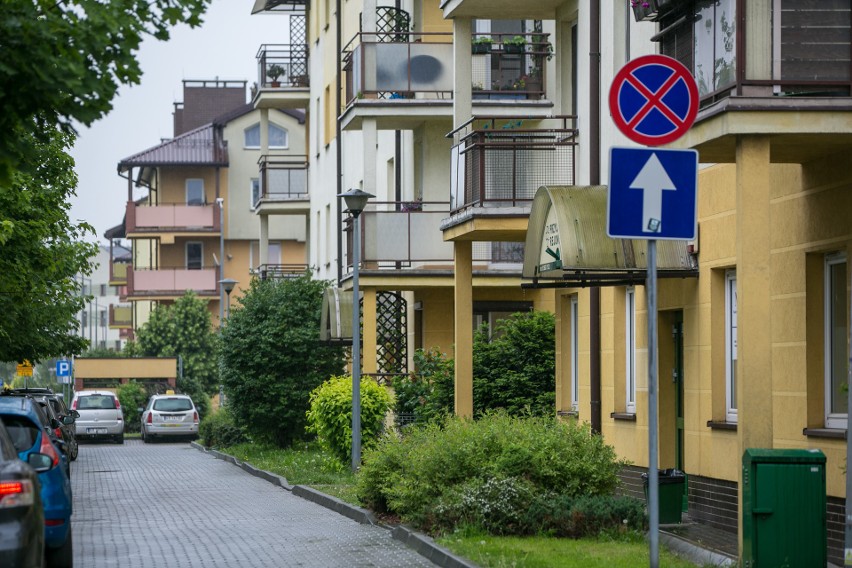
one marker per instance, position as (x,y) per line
(671,483)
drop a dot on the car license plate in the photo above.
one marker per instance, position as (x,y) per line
(173,418)
(96,430)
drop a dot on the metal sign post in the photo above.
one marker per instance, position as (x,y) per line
(847,553)
(653,441)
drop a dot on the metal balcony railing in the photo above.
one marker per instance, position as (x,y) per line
(283,66)
(510,66)
(501,162)
(280,271)
(406,235)
(282,178)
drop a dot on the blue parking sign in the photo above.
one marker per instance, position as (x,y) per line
(63,368)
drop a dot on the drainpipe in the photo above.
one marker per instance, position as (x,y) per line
(338,143)
(595,179)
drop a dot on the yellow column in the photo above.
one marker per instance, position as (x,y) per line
(368,346)
(463,307)
(563,352)
(754,343)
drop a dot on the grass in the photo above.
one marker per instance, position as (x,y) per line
(303,464)
(545,552)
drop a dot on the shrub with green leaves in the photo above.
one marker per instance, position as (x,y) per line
(428,392)
(408,474)
(132,396)
(330,415)
(218,430)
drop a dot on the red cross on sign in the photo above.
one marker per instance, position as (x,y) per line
(653,100)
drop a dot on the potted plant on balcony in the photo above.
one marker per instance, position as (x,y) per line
(514,44)
(482,44)
(651,10)
(274,71)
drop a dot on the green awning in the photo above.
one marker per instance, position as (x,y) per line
(567,244)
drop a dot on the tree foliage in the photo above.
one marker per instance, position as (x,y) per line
(41,251)
(272,358)
(64,61)
(184,329)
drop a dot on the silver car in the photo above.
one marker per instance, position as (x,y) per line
(100,415)
(169,415)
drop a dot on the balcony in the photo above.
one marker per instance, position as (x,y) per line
(120,317)
(783,72)
(281,271)
(118,272)
(144,220)
(406,237)
(509,66)
(171,282)
(283,80)
(283,186)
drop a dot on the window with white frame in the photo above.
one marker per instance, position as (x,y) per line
(278,139)
(195,191)
(194,255)
(836,358)
(255,192)
(575,352)
(630,349)
(731,346)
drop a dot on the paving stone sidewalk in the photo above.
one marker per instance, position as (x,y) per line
(170,505)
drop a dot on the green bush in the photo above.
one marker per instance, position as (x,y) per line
(408,474)
(131,395)
(218,430)
(428,392)
(330,415)
(585,516)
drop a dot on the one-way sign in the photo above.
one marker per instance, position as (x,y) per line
(652,194)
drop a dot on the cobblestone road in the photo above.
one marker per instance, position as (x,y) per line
(174,506)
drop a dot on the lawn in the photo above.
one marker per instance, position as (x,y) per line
(546,552)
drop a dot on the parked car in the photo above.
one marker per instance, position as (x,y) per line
(61,430)
(21,511)
(64,414)
(24,419)
(100,415)
(169,416)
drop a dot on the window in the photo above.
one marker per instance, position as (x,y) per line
(194,256)
(278,139)
(255,192)
(102,316)
(195,192)
(630,349)
(836,360)
(731,346)
(103,289)
(84,322)
(575,352)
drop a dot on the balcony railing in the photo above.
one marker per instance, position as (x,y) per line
(172,281)
(118,273)
(407,236)
(501,162)
(283,66)
(280,271)
(120,317)
(171,217)
(282,178)
(509,66)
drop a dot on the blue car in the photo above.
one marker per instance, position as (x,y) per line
(24,419)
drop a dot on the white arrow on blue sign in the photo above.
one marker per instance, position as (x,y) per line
(63,368)
(652,194)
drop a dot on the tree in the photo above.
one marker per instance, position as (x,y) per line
(64,61)
(272,358)
(41,251)
(184,329)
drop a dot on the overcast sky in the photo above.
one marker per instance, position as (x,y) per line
(224,46)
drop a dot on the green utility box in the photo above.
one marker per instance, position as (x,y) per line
(671,486)
(783,508)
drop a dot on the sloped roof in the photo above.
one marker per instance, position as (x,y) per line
(200,146)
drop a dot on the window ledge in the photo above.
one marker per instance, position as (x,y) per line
(718,425)
(836,433)
(629,416)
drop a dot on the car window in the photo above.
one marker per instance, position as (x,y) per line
(22,431)
(7,447)
(172,404)
(96,402)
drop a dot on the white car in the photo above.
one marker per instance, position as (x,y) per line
(169,415)
(100,415)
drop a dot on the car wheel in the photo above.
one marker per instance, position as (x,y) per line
(75,450)
(145,439)
(61,557)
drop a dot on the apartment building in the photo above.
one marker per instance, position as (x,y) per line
(193,202)
(479,151)
(96,317)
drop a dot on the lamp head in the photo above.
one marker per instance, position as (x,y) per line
(228,284)
(356,200)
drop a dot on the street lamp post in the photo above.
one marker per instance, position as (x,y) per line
(356,200)
(227,285)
